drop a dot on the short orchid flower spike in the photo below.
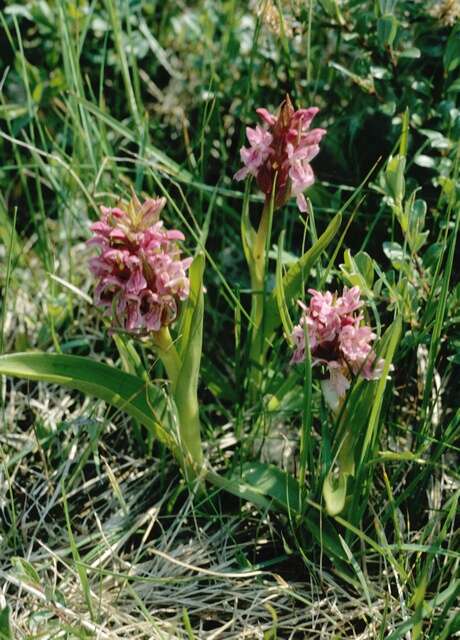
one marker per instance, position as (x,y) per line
(282,150)
(338,340)
(141,277)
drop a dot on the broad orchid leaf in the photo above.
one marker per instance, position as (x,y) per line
(126,392)
(237,487)
(274,483)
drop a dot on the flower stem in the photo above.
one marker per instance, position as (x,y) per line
(257,269)
(168,355)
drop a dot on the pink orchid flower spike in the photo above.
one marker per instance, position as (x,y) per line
(338,340)
(283,148)
(141,277)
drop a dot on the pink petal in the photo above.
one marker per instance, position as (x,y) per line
(302,203)
(267,116)
(241,174)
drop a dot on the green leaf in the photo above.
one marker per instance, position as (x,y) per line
(394,177)
(365,266)
(130,359)
(248,235)
(437,140)
(186,388)
(410,52)
(274,483)
(335,483)
(432,254)
(187,314)
(359,271)
(454,87)
(279,289)
(335,493)
(5,628)
(452,51)
(324,533)
(417,215)
(268,487)
(390,341)
(394,252)
(296,276)
(404,141)
(25,570)
(192,326)
(126,392)
(240,489)
(425,161)
(387,28)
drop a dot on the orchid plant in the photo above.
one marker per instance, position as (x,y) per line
(332,329)
(149,292)
(331,334)
(141,282)
(279,159)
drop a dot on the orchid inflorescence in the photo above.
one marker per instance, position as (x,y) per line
(141,276)
(281,152)
(337,339)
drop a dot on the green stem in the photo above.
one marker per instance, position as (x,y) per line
(346,458)
(260,244)
(257,271)
(168,355)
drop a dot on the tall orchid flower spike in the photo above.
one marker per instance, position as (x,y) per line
(338,341)
(141,277)
(284,148)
